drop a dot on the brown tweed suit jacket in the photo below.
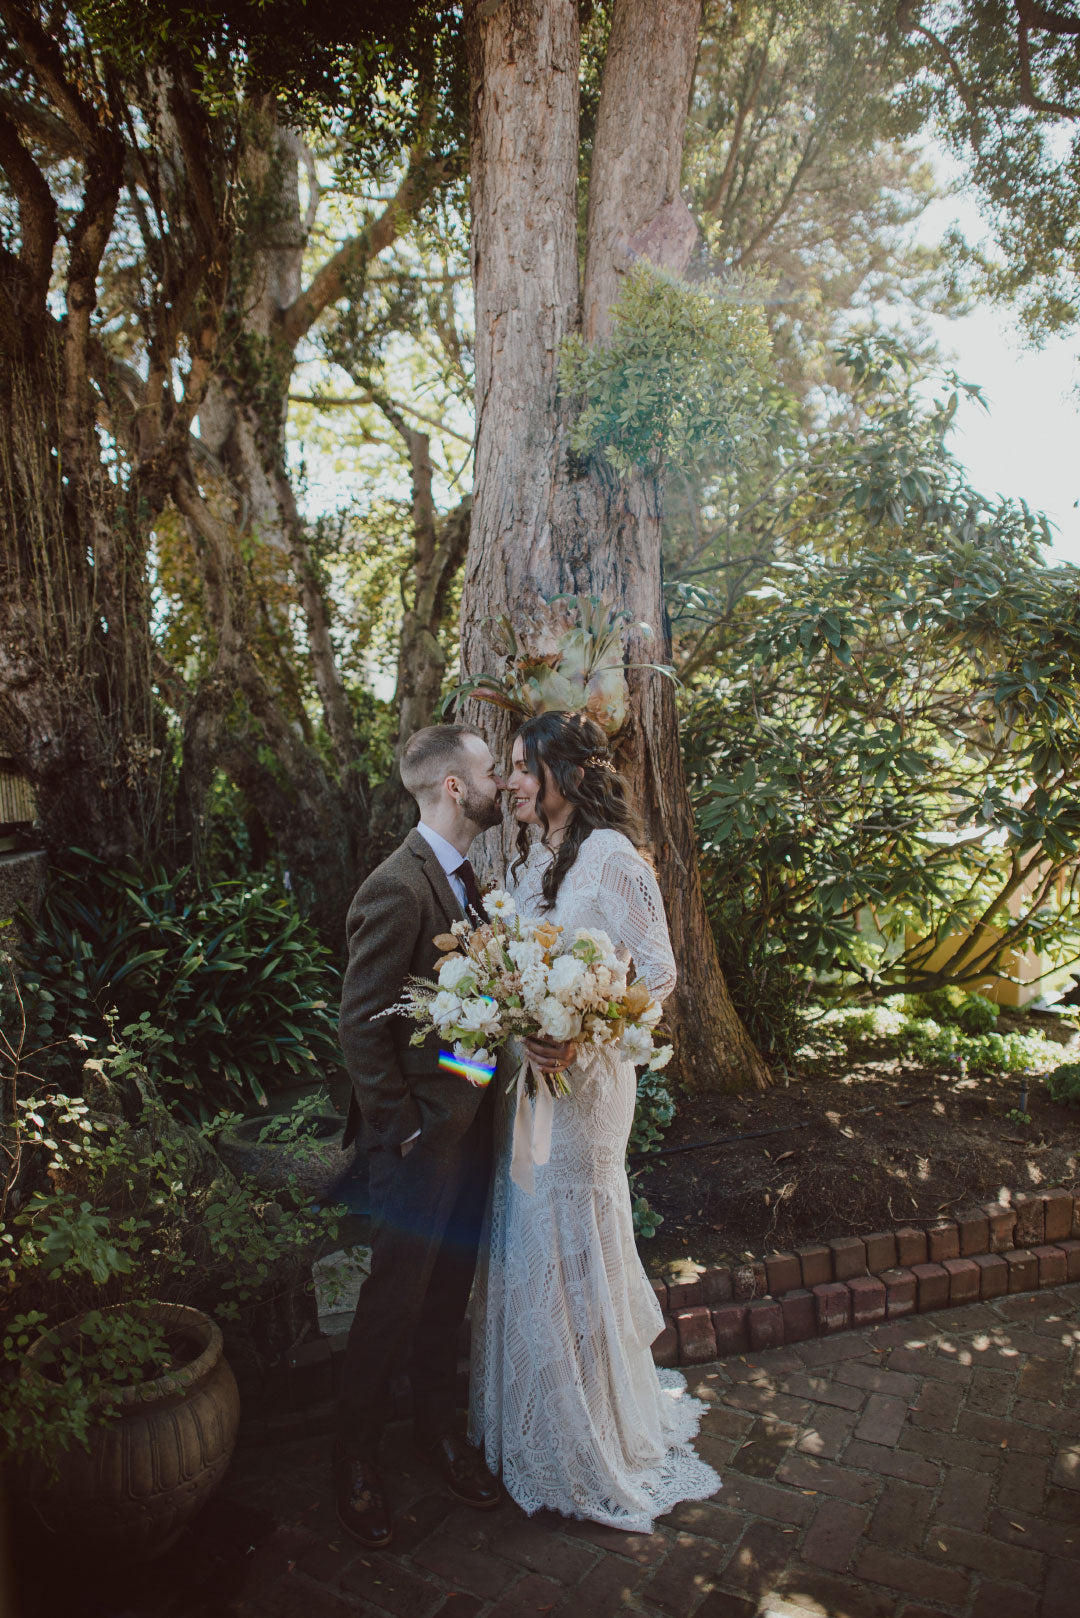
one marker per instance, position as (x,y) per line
(398,1088)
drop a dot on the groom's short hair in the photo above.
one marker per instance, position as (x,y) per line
(430,755)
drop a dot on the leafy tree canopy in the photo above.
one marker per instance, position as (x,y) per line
(1000,79)
(375,70)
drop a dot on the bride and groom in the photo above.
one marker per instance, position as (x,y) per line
(566,1405)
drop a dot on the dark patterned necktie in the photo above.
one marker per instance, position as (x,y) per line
(473,896)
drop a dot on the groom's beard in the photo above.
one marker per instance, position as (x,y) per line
(483,813)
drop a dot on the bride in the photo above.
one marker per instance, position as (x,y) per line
(564,1396)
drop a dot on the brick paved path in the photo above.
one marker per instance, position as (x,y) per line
(928,1466)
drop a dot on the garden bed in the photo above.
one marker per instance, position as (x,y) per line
(886,1139)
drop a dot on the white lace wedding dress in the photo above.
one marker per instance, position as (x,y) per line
(565,1397)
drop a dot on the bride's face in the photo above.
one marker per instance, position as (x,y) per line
(524,793)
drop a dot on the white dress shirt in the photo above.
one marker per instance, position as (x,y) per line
(449,858)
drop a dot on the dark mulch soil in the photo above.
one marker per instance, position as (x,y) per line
(887,1142)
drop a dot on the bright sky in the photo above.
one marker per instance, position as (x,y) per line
(1028,445)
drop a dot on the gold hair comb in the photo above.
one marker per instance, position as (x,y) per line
(599,762)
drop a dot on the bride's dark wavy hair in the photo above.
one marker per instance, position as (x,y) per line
(571,751)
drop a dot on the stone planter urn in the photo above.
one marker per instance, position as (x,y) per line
(316,1159)
(150,1469)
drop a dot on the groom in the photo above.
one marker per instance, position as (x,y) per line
(427,1135)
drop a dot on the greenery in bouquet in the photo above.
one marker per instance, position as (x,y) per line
(510,978)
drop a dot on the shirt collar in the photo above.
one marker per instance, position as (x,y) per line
(447,855)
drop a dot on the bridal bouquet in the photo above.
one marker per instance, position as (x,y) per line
(512,978)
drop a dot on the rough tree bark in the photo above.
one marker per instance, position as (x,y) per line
(544,521)
(76,703)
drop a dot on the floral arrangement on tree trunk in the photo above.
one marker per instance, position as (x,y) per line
(568,655)
(515,979)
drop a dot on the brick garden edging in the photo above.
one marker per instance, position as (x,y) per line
(784,1298)
(859,1280)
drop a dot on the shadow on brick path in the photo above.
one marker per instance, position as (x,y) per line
(927,1466)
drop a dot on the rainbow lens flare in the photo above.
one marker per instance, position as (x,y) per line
(478,1073)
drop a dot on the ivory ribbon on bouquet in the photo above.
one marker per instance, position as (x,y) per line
(532,1130)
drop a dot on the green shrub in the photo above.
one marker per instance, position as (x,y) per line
(977,1015)
(981,1054)
(652,1116)
(234,978)
(943,1005)
(1064,1084)
(904,1025)
(119,1207)
(682,375)
(974,1013)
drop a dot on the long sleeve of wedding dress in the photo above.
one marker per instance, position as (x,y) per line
(564,1393)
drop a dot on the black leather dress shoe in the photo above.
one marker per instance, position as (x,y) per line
(463,1471)
(361,1505)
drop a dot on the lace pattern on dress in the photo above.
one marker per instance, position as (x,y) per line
(565,1396)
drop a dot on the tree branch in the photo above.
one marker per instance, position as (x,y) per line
(1053,22)
(1027,87)
(329,401)
(38,222)
(44,58)
(331,282)
(962,88)
(718,193)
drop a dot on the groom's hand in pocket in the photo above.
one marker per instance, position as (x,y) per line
(549,1057)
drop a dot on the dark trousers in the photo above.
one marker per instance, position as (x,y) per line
(427,1209)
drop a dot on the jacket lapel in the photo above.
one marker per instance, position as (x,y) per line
(436,876)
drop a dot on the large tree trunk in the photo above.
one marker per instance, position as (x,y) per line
(248,715)
(77,713)
(544,521)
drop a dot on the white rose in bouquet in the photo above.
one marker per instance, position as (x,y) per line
(597,946)
(445,1009)
(525,952)
(652,1014)
(567,979)
(636,1044)
(457,974)
(618,973)
(480,1058)
(558,1022)
(534,981)
(479,1017)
